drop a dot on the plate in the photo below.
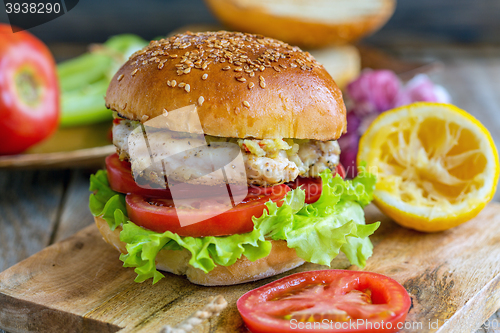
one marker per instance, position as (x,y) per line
(67,147)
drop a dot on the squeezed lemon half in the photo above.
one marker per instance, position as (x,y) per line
(436,165)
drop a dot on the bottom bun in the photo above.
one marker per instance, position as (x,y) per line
(280,259)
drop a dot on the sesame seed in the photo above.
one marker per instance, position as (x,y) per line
(204,76)
(201,100)
(181,85)
(134,71)
(261,78)
(174,83)
(187,88)
(165,112)
(246,104)
(249,54)
(168,83)
(251,85)
(120,77)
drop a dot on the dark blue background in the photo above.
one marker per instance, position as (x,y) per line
(415,20)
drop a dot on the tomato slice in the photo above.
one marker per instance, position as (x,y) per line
(314,186)
(161,215)
(121,180)
(326,301)
(340,170)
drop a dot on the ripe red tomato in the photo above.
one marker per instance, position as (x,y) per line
(314,186)
(161,215)
(327,301)
(29,93)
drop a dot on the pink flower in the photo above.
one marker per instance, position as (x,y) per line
(374,91)
(422,89)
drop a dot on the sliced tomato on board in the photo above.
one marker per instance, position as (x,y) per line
(161,215)
(314,186)
(327,301)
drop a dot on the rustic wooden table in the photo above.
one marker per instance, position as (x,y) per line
(39,207)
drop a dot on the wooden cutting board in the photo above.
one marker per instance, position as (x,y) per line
(78,285)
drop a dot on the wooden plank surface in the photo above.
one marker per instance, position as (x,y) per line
(75,214)
(29,207)
(452,276)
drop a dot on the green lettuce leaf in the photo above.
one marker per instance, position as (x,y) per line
(206,252)
(105,202)
(318,231)
(334,223)
(143,245)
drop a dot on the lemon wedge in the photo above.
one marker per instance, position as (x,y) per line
(436,165)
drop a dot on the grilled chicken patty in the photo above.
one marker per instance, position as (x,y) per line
(267,162)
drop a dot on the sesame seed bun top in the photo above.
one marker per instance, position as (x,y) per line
(243,86)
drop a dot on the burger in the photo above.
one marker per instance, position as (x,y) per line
(251,101)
